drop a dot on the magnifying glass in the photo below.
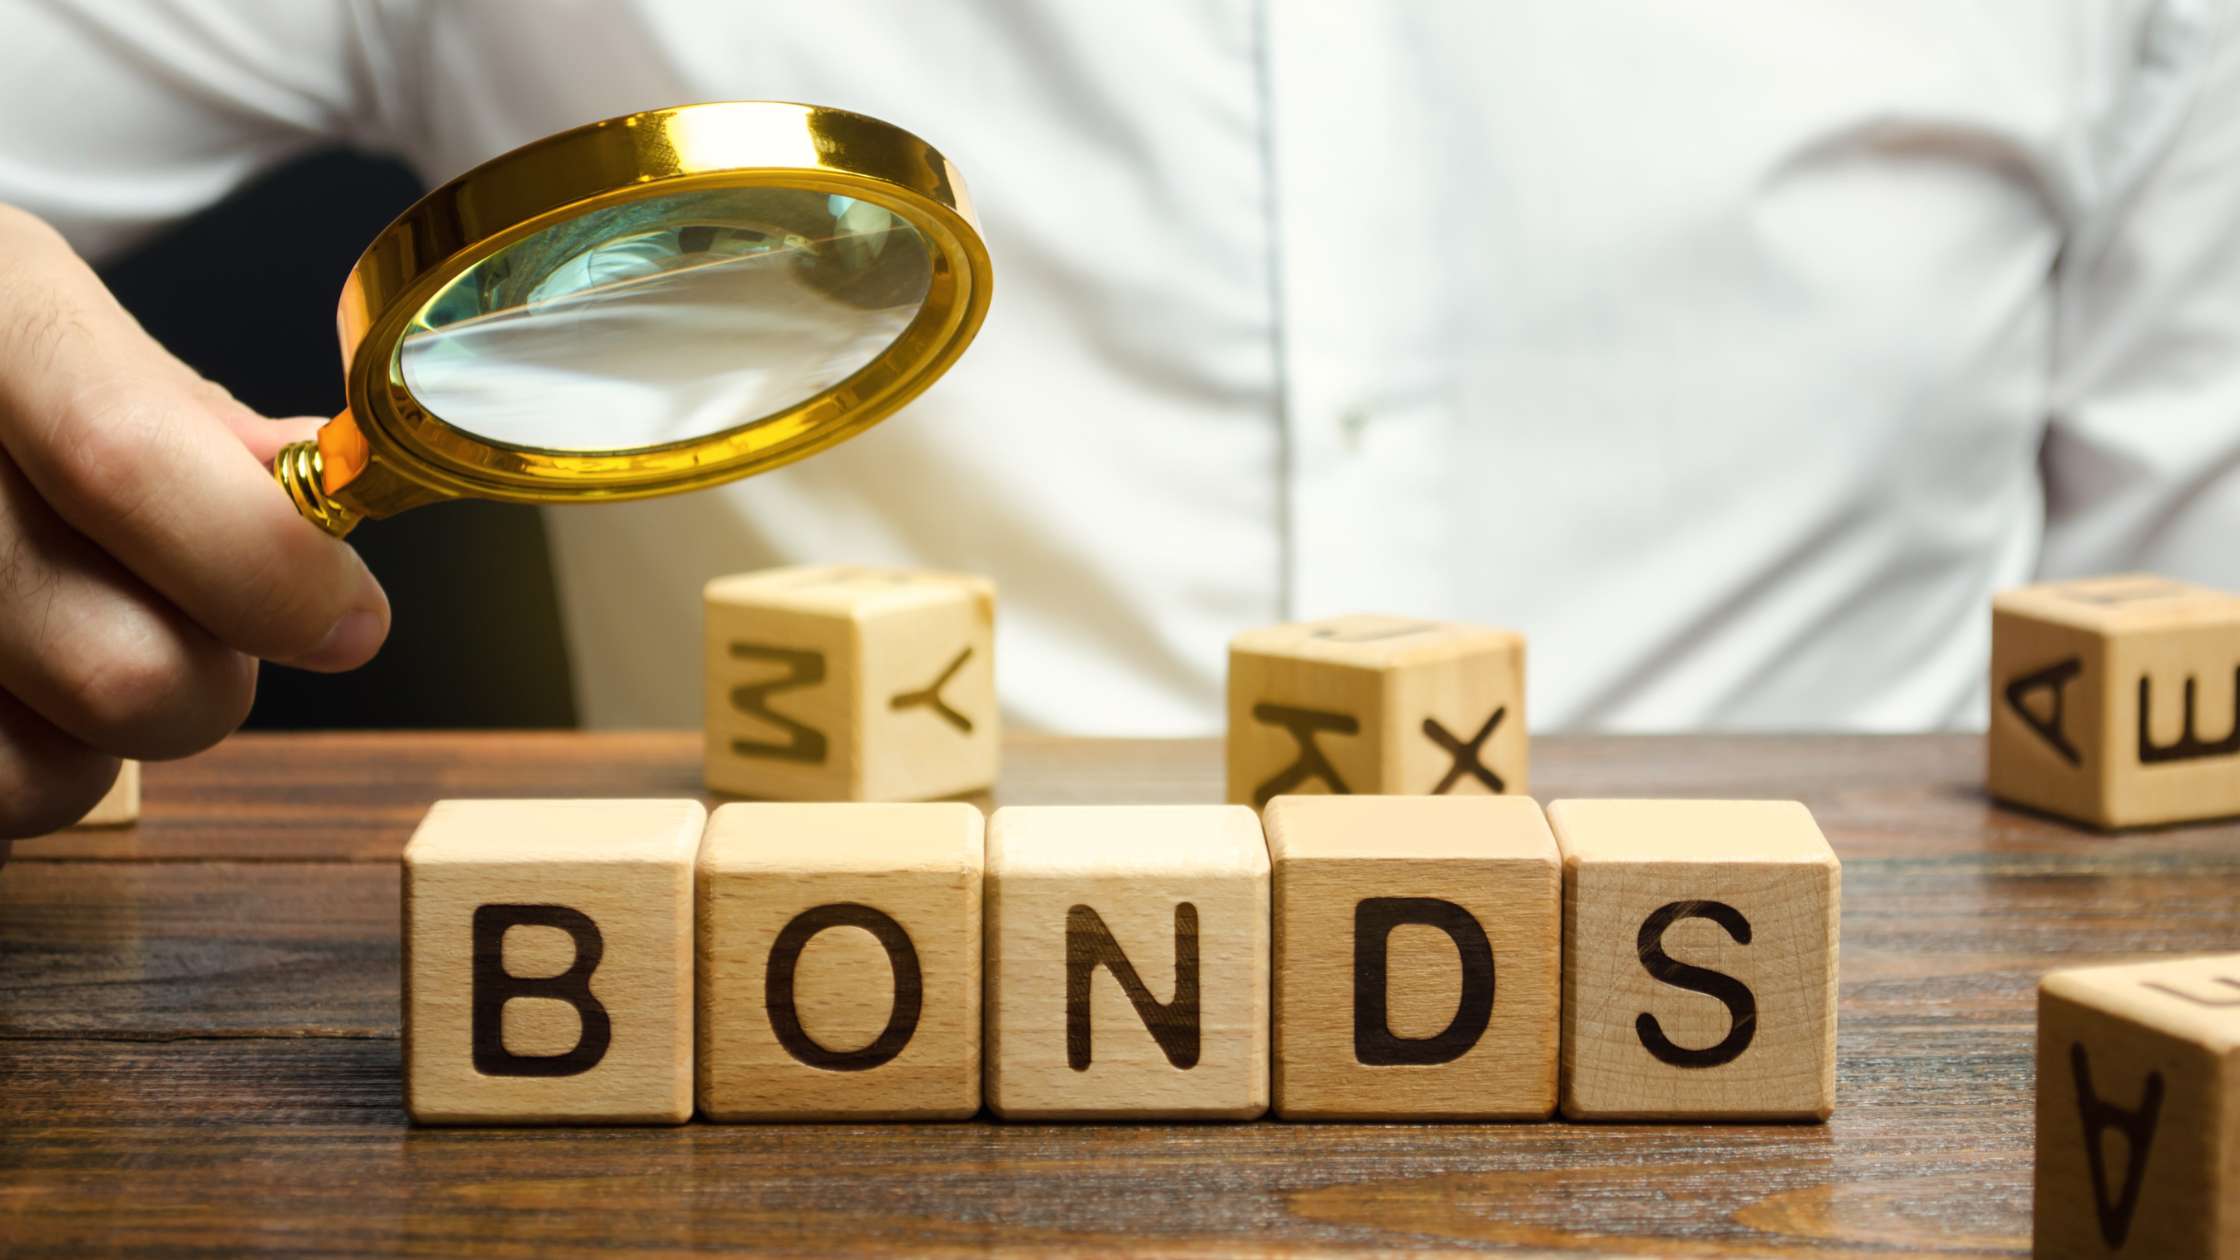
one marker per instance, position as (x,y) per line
(643,306)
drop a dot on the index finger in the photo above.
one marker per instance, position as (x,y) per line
(134,452)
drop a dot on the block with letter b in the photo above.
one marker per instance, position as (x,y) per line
(848,683)
(2115,701)
(1375,705)
(1127,963)
(1417,957)
(2139,1110)
(839,962)
(1699,960)
(548,962)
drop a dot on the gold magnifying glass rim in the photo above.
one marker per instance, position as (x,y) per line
(388,452)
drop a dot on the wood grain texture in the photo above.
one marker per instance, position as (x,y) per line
(2116,700)
(548,962)
(1375,704)
(1418,951)
(2139,1111)
(1699,960)
(839,962)
(1127,963)
(198,1040)
(847,683)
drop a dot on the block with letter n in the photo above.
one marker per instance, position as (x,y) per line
(2139,1110)
(2115,701)
(1375,705)
(851,683)
(1127,963)
(1699,951)
(1417,957)
(548,962)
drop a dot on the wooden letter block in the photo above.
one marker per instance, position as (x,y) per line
(1699,949)
(121,807)
(548,962)
(1127,963)
(1417,957)
(2116,701)
(840,962)
(1371,704)
(844,683)
(2139,1111)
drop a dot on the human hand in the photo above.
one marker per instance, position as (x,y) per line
(147,560)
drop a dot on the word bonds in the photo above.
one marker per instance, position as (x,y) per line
(1344,957)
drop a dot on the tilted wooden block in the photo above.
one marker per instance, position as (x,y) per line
(1374,704)
(1417,957)
(121,807)
(839,971)
(2116,701)
(2139,1111)
(548,962)
(849,683)
(1127,963)
(1699,960)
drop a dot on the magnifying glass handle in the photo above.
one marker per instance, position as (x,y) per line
(301,470)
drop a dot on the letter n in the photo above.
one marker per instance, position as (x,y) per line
(1173,1024)
(494,986)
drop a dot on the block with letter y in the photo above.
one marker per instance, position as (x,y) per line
(1376,705)
(548,962)
(851,683)
(1127,963)
(2116,700)
(1699,960)
(2139,1110)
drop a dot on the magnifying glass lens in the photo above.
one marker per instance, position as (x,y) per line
(665,319)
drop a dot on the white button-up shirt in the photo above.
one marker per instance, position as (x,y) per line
(1736,353)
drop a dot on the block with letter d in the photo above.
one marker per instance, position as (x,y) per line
(1699,960)
(1127,963)
(2115,701)
(1375,705)
(839,962)
(548,962)
(848,683)
(2139,1110)
(1417,957)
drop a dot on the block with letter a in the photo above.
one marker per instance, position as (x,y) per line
(1127,963)
(2115,701)
(849,683)
(1376,705)
(2139,1111)
(1699,960)
(548,962)
(1417,957)
(839,962)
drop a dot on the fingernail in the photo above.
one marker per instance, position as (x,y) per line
(350,644)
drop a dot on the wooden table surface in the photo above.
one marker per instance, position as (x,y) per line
(198,1041)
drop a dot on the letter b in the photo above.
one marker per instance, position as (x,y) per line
(494,986)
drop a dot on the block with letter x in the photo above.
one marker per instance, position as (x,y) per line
(1699,950)
(1375,705)
(850,683)
(2139,1110)
(548,962)
(2115,701)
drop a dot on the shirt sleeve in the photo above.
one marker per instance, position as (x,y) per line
(2142,454)
(123,115)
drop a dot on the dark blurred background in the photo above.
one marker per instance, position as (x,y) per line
(246,294)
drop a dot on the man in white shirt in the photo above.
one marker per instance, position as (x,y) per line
(1735,353)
